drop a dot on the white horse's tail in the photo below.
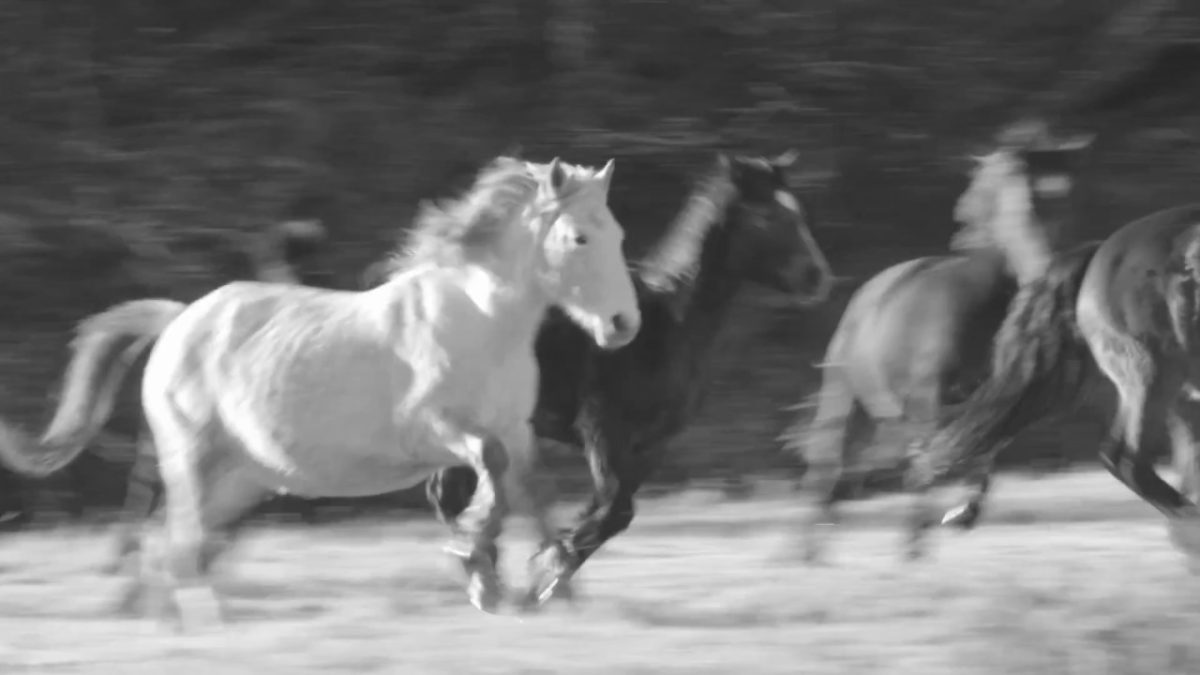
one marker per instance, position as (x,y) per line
(105,346)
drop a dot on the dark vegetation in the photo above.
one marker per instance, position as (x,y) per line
(141,141)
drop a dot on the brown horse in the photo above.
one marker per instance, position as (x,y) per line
(914,340)
(1129,306)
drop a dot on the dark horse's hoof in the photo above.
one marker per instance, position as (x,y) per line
(550,571)
(963,516)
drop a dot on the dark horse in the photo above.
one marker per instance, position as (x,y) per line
(915,339)
(281,254)
(1128,306)
(741,223)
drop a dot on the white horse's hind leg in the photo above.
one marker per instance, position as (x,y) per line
(207,495)
(185,534)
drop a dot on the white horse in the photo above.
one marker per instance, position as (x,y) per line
(258,388)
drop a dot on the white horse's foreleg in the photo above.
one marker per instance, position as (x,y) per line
(531,493)
(527,492)
(480,523)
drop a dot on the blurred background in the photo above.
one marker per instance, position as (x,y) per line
(144,143)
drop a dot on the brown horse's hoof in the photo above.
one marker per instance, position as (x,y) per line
(963,516)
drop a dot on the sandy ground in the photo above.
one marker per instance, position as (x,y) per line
(1069,575)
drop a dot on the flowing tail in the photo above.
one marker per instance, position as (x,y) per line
(105,346)
(1039,362)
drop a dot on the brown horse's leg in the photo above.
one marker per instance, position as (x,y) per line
(1146,394)
(922,410)
(965,515)
(826,456)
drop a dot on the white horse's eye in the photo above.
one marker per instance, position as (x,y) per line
(581,239)
(787,201)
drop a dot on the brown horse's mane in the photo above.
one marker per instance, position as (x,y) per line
(977,208)
(675,260)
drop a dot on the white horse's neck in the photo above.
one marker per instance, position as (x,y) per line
(505,312)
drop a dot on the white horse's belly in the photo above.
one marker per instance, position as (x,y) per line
(351,470)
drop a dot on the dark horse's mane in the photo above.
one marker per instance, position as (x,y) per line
(675,260)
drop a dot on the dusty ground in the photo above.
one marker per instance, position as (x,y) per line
(1070,575)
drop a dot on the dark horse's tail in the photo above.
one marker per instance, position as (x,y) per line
(105,346)
(1039,361)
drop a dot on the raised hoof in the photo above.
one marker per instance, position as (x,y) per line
(963,517)
(199,609)
(549,569)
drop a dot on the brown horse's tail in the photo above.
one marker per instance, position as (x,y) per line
(102,351)
(1039,361)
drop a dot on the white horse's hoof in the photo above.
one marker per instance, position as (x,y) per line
(954,514)
(199,609)
(484,593)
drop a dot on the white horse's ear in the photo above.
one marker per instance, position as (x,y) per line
(606,173)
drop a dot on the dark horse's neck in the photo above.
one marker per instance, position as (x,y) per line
(692,278)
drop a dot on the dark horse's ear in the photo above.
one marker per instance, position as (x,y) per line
(786,160)
(732,166)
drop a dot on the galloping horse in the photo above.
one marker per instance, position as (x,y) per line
(741,223)
(257,388)
(1129,306)
(915,338)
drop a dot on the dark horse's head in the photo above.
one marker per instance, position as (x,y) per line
(763,227)
(776,246)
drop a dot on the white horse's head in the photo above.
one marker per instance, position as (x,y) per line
(581,266)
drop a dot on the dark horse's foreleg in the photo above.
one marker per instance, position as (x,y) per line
(618,467)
